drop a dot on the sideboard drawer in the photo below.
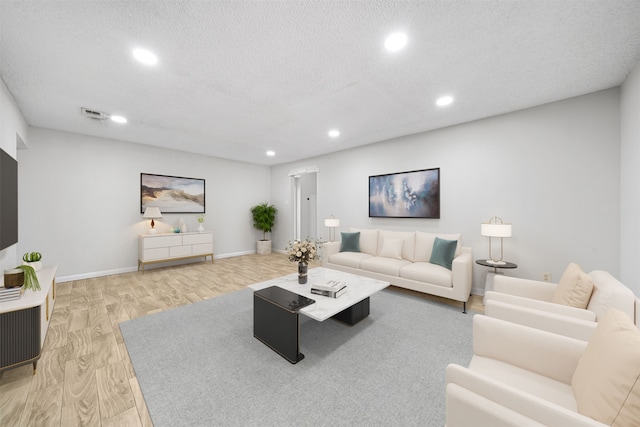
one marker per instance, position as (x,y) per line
(205,248)
(178,251)
(162,241)
(157,253)
(194,239)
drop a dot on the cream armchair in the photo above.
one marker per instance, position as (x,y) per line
(529,302)
(521,376)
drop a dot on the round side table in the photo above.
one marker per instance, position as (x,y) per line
(488,286)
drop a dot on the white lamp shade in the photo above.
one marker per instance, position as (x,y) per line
(152,212)
(332,222)
(495,230)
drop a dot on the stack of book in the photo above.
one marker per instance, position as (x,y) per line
(332,288)
(10,294)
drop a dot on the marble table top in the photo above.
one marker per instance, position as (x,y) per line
(358,288)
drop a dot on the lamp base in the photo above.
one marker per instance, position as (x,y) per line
(490,261)
(152,231)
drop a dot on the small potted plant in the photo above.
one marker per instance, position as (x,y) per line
(264,216)
(32,259)
(30,278)
(201,221)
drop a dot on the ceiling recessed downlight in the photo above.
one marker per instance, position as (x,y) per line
(334,133)
(444,100)
(395,42)
(145,56)
(271,153)
(119,119)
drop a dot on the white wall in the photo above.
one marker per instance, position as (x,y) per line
(12,127)
(630,180)
(552,171)
(79,200)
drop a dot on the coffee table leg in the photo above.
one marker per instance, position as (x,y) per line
(355,313)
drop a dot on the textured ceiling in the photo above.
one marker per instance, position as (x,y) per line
(237,78)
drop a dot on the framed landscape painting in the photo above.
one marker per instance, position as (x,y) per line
(172,194)
(414,194)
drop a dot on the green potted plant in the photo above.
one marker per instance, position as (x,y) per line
(264,217)
(32,259)
(30,278)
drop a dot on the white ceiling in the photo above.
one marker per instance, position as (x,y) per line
(238,78)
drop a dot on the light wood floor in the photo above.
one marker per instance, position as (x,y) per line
(84,376)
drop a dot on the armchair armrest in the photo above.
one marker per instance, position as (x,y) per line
(510,406)
(526,288)
(545,353)
(462,272)
(539,319)
(328,249)
(549,307)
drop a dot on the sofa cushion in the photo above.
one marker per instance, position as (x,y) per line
(409,238)
(443,252)
(350,242)
(348,259)
(427,272)
(392,248)
(388,266)
(424,244)
(606,382)
(574,288)
(368,240)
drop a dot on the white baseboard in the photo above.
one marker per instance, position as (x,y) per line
(90,275)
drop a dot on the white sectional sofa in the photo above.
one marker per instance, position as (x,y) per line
(402,258)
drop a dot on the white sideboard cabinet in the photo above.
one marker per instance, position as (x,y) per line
(153,248)
(24,322)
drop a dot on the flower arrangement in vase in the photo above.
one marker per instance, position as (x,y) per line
(303,252)
(201,221)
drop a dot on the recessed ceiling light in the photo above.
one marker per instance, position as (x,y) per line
(395,42)
(119,119)
(444,100)
(271,153)
(145,56)
(334,133)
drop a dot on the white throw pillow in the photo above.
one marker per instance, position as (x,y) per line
(392,248)
(368,240)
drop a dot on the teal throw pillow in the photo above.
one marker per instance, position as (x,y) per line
(443,252)
(350,242)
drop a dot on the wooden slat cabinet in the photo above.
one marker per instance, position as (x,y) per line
(24,323)
(153,248)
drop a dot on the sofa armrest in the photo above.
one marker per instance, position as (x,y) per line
(526,288)
(328,249)
(510,407)
(545,353)
(539,319)
(462,272)
(549,307)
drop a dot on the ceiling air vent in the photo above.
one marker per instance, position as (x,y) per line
(93,114)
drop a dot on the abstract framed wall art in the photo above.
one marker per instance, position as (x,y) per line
(414,194)
(172,194)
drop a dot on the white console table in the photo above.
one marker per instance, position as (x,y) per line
(24,322)
(154,248)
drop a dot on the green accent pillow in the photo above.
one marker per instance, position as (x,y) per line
(443,252)
(350,242)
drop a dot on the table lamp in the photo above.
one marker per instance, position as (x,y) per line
(493,229)
(332,223)
(153,213)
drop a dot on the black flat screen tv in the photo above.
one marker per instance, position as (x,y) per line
(8,200)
